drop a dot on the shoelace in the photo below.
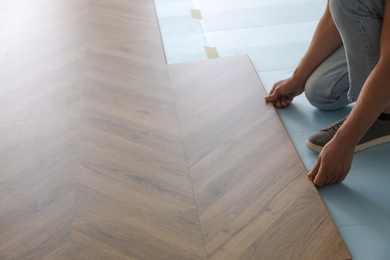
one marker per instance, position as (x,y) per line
(332,129)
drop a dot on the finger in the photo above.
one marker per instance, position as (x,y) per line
(326,181)
(273,89)
(272,96)
(314,171)
(284,102)
(332,181)
(320,179)
(317,174)
(341,178)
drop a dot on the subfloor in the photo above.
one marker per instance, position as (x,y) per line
(275,35)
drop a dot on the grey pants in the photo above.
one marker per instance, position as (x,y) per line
(340,78)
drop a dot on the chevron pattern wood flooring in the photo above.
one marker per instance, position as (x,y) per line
(98,161)
(254,199)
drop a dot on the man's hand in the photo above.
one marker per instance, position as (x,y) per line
(284,91)
(333,164)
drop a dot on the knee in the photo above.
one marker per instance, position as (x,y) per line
(313,92)
(318,95)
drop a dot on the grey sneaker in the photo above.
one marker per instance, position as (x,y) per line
(378,133)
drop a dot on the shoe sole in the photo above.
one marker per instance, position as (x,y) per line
(358,148)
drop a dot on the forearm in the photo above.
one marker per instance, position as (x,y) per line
(326,40)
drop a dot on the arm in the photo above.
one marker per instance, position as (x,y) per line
(326,40)
(335,160)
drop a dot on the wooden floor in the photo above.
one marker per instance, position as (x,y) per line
(108,153)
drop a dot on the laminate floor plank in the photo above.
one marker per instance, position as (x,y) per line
(251,189)
(9,24)
(40,101)
(43,70)
(49,97)
(118,21)
(37,187)
(134,197)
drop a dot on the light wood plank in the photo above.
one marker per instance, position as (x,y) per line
(253,196)
(122,21)
(134,197)
(42,73)
(40,94)
(37,187)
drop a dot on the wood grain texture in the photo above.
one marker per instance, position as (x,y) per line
(134,197)
(92,159)
(251,189)
(40,93)
(37,187)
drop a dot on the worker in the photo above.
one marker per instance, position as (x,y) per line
(348,61)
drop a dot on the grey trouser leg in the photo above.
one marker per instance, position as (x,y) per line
(328,85)
(340,78)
